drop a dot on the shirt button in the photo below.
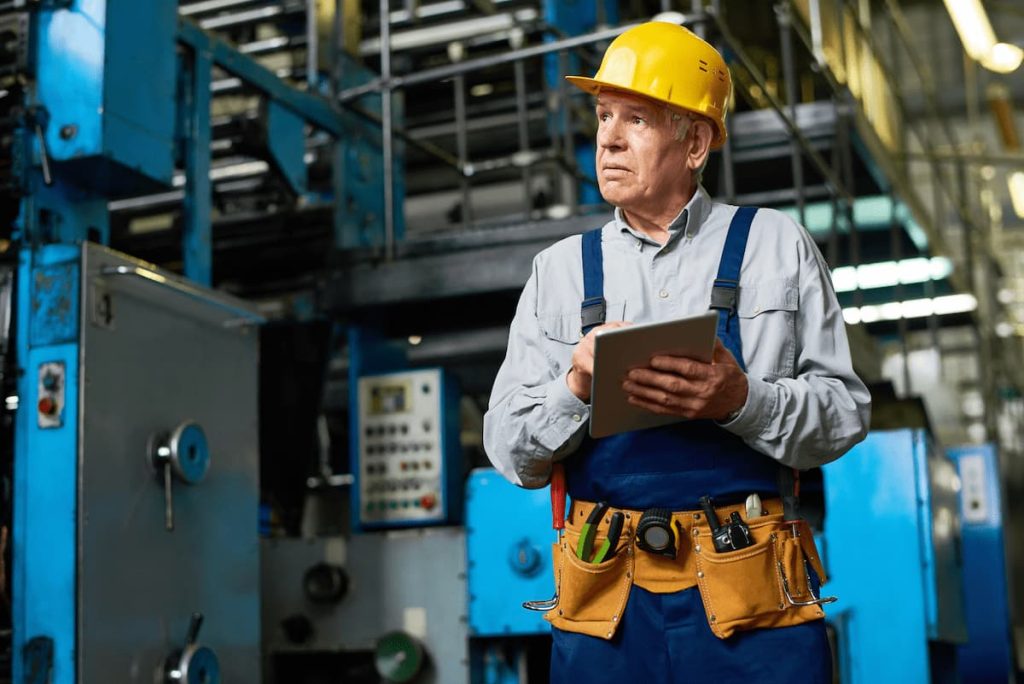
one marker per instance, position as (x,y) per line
(663,294)
(576,417)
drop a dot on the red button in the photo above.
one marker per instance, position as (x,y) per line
(428,501)
(47,406)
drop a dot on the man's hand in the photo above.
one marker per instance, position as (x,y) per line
(675,386)
(581,374)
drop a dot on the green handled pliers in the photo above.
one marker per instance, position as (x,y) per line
(607,549)
(586,543)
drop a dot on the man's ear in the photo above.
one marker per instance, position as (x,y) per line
(700,144)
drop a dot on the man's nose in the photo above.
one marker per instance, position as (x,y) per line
(609,134)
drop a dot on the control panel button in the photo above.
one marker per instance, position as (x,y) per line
(428,501)
(47,406)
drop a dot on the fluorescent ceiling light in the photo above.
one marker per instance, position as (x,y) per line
(890,273)
(912,308)
(958,303)
(975,31)
(1003,58)
(1016,183)
(972,25)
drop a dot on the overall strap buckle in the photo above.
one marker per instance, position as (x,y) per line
(593,312)
(724,294)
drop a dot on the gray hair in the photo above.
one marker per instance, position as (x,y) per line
(683,128)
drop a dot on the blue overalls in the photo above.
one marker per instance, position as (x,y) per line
(665,638)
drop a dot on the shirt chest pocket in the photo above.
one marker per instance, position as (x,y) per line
(767,312)
(564,327)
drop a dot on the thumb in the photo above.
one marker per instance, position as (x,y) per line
(722,354)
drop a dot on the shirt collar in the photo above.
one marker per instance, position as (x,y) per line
(689,219)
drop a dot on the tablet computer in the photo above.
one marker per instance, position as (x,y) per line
(620,350)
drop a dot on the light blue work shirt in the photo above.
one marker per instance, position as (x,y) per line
(805,405)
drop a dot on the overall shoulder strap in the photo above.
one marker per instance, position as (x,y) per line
(592,310)
(725,289)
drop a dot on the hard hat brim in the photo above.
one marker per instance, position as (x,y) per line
(593,87)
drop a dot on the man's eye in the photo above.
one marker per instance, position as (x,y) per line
(638,121)
(603,116)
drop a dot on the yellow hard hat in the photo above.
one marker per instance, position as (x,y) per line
(670,64)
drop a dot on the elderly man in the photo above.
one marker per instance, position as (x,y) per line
(670,600)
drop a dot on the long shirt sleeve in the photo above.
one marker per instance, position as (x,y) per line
(533,418)
(816,416)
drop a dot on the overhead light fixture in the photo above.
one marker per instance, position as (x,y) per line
(972,25)
(1016,183)
(890,273)
(911,308)
(1003,58)
(975,31)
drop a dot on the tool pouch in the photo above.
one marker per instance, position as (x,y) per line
(591,597)
(762,585)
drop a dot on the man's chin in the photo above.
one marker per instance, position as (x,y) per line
(615,197)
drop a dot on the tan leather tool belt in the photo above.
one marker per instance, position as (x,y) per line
(763,585)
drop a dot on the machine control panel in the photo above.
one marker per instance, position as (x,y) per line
(408,449)
(52,394)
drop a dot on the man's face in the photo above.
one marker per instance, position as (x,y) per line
(640,164)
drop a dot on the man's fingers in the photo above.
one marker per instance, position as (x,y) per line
(671,382)
(681,366)
(666,390)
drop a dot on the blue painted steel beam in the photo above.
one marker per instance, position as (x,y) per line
(46,463)
(197,209)
(286,142)
(313,108)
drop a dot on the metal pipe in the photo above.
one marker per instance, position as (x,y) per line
(845,148)
(699,27)
(386,131)
(454,31)
(524,135)
(211,6)
(465,170)
(568,152)
(450,70)
(226,20)
(784,21)
(312,47)
(337,47)
(896,254)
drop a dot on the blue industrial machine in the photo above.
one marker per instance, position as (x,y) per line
(508,546)
(893,552)
(135,481)
(988,654)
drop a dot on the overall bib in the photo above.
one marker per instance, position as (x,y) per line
(665,638)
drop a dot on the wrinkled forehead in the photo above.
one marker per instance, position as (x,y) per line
(630,102)
(609,97)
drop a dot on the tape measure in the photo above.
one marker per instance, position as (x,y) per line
(655,534)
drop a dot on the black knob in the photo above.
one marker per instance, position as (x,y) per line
(325,583)
(298,629)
